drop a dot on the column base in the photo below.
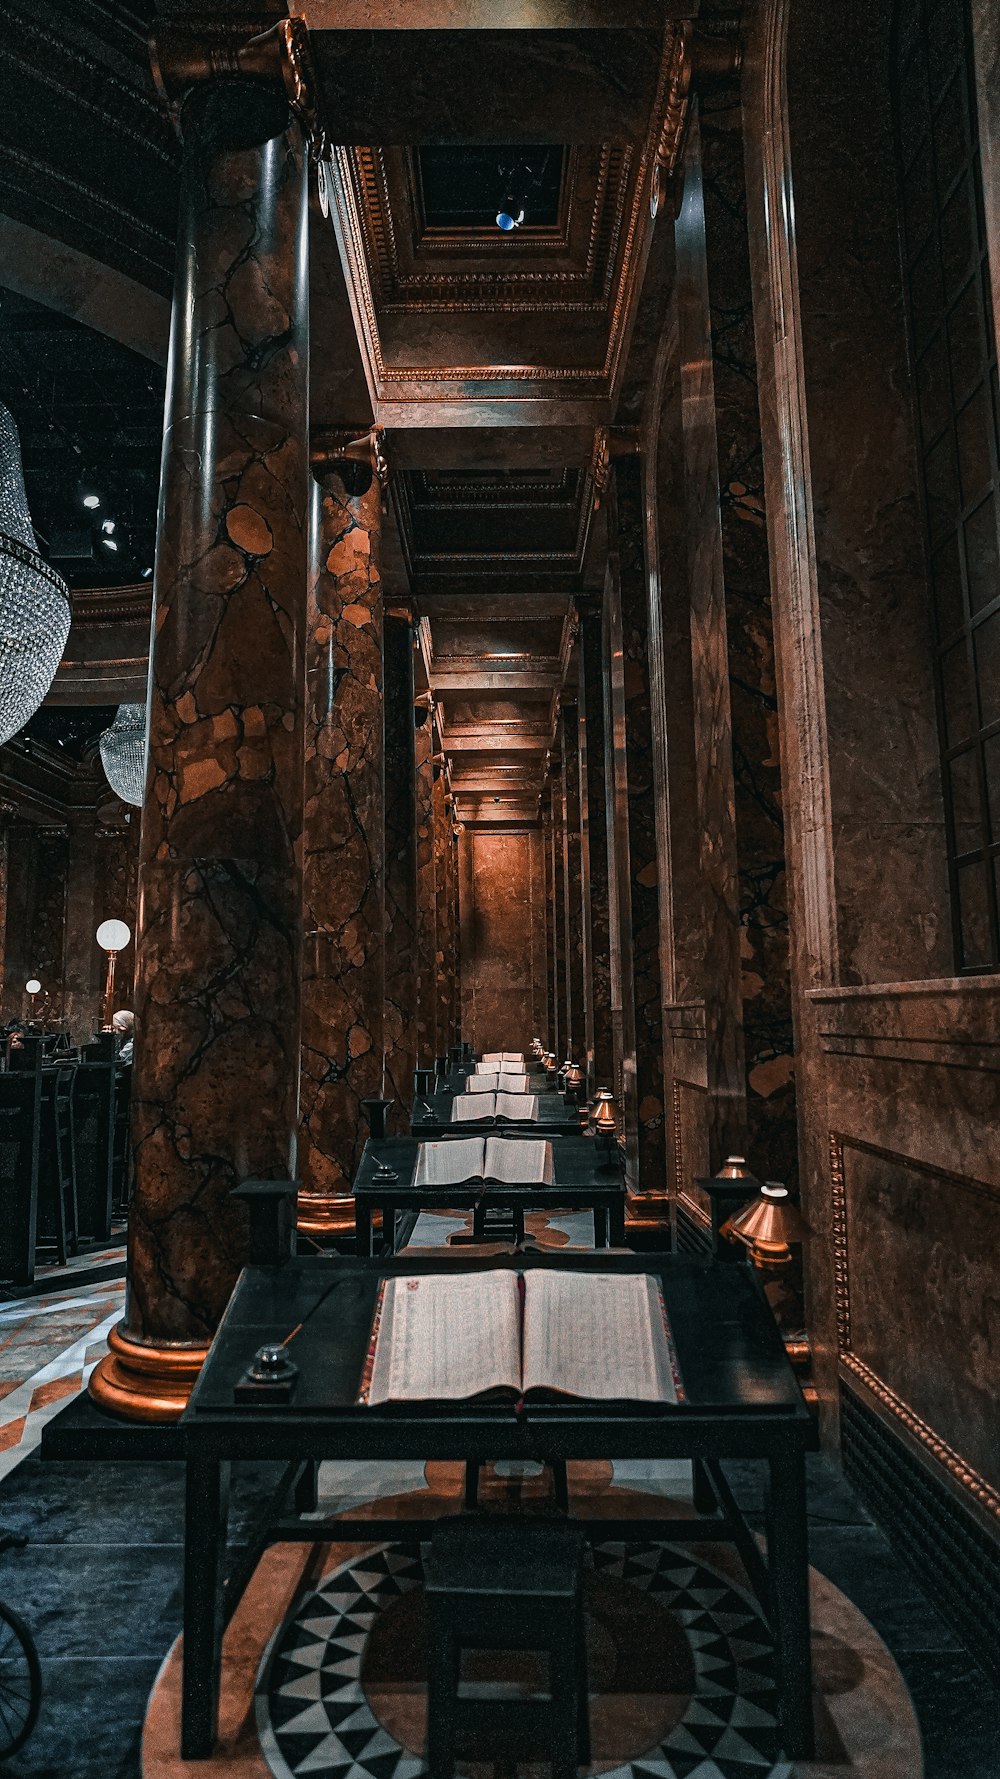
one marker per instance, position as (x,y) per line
(646,1211)
(321,1213)
(145,1383)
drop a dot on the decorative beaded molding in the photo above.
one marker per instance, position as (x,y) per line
(962,1473)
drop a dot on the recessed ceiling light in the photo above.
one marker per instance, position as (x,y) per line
(510,215)
(91,500)
(107,526)
(109,543)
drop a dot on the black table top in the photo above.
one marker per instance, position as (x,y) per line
(587,1169)
(736,1376)
(554,1119)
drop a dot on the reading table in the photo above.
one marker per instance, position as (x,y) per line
(740,1400)
(431,1117)
(588,1175)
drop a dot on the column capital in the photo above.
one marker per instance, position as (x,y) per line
(610,443)
(256,49)
(333,445)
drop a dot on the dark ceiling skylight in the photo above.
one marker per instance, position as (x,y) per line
(463,187)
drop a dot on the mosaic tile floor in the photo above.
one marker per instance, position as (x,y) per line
(49,1346)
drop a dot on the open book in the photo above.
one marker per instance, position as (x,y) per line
(502,1056)
(597,1335)
(521,1107)
(496,1084)
(507,1160)
(499,1068)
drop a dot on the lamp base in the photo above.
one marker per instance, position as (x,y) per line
(325,1213)
(140,1382)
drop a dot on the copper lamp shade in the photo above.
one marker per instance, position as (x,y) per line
(768,1224)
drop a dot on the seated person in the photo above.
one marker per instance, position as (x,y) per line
(123,1025)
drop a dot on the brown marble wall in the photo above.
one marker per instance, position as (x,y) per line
(220,919)
(575,1019)
(427,1048)
(760,844)
(343,991)
(502,911)
(550,1034)
(400,873)
(891,924)
(46,944)
(711,705)
(593,804)
(561,1023)
(444,948)
(635,838)
(83,960)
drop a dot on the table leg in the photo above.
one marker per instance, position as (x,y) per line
(306,1492)
(702,1492)
(363,1230)
(616,1221)
(788,1561)
(206,1507)
(601,1231)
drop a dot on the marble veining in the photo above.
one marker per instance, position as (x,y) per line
(400,1012)
(344,868)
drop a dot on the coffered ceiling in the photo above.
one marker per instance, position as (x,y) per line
(491,358)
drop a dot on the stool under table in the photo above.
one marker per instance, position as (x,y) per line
(506,1584)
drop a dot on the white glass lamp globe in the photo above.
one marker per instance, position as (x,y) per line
(33,986)
(113,935)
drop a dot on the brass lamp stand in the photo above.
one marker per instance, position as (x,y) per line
(112,937)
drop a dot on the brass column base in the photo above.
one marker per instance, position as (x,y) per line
(145,1383)
(646,1210)
(322,1213)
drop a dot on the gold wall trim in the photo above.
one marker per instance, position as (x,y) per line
(982,1492)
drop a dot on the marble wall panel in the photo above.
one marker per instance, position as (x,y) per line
(561,1021)
(444,950)
(593,805)
(550,1034)
(925,1243)
(760,850)
(503,988)
(46,946)
(711,701)
(893,924)
(427,1048)
(575,1019)
(344,860)
(84,962)
(401,952)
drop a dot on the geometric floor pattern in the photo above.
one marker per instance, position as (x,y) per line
(49,1346)
(314,1716)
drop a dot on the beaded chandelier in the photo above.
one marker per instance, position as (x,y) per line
(34,600)
(123,754)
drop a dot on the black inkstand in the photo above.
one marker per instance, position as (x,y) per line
(270,1377)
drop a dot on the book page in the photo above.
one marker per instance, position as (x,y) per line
(513,1056)
(450,1163)
(512,1080)
(482,1084)
(473,1105)
(520,1106)
(596,1335)
(447,1335)
(489,1056)
(519,1162)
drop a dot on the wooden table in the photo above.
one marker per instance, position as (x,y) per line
(741,1401)
(588,1172)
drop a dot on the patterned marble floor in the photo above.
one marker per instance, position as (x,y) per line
(49,1346)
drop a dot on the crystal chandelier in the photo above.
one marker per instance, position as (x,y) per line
(34,600)
(123,754)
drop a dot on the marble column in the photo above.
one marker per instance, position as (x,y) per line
(633,838)
(343,988)
(550,1035)
(599,1036)
(443,961)
(561,1032)
(570,735)
(711,694)
(219,959)
(400,872)
(427,1047)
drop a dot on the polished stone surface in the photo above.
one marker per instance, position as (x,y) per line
(343,986)
(220,922)
(399,1013)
